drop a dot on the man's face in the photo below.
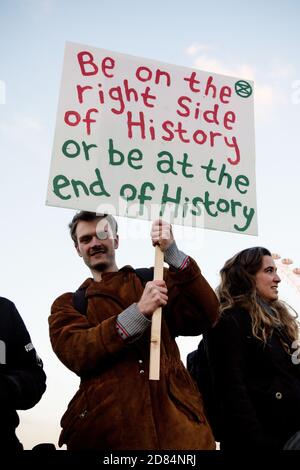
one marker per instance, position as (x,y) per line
(97,253)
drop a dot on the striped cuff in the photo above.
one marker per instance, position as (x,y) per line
(131,323)
(175,257)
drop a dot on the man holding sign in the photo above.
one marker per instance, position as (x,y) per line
(105,340)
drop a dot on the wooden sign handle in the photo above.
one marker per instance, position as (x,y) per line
(156,320)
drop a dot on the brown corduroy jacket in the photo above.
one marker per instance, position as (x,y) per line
(117,407)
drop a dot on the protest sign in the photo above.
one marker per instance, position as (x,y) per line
(139,138)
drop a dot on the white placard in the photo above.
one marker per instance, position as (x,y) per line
(140,138)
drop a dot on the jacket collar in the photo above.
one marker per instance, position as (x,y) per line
(89,284)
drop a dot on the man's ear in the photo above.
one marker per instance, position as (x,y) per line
(116,241)
(78,252)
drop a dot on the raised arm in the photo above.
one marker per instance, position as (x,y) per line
(192,303)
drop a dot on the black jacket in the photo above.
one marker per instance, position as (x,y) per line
(22,379)
(257,385)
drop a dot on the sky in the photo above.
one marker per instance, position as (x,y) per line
(257,41)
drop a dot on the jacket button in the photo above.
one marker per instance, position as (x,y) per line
(140,361)
(142,371)
(278,395)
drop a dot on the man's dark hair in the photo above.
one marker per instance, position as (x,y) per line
(85,216)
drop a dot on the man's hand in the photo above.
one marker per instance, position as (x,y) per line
(155,295)
(161,234)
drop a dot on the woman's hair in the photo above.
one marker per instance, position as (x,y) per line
(238,289)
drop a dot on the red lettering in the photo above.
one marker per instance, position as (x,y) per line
(212,136)
(192,82)
(229,117)
(117,97)
(165,126)
(130,91)
(140,124)
(160,73)
(209,85)
(107,63)
(68,115)
(81,90)
(85,62)
(225,92)
(139,72)
(152,130)
(234,145)
(213,113)
(180,102)
(88,66)
(201,133)
(88,120)
(100,94)
(181,131)
(146,96)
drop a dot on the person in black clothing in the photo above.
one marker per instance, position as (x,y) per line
(254,367)
(22,379)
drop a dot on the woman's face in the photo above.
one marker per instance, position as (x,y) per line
(267,280)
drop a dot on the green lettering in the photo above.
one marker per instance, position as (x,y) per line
(98,183)
(112,152)
(224,174)
(86,149)
(57,186)
(132,159)
(207,203)
(248,216)
(143,196)
(241,180)
(166,198)
(169,162)
(209,168)
(67,151)
(195,202)
(78,183)
(131,188)
(223,205)
(185,165)
(234,204)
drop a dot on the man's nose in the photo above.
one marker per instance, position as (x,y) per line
(96,241)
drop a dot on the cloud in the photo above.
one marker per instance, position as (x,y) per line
(196,47)
(203,62)
(267,95)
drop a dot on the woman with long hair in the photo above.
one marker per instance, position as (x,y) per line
(253,357)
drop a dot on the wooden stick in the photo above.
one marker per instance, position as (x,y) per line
(156,320)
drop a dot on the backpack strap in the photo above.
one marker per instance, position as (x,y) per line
(80,301)
(145,274)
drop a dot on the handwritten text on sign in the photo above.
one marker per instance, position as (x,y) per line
(139,138)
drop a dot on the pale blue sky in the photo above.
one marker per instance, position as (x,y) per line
(257,40)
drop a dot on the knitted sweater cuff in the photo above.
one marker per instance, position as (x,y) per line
(131,323)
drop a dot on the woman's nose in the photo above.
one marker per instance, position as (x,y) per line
(277,278)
